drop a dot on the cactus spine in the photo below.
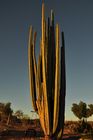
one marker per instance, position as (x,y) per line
(47,77)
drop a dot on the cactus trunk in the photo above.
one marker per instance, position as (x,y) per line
(47,78)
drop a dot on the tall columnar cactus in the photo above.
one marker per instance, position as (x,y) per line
(47,77)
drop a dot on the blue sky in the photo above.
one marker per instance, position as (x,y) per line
(75,18)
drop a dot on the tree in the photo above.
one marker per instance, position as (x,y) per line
(8,112)
(81,111)
(5,112)
(7,109)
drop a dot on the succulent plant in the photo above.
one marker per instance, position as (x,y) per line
(47,77)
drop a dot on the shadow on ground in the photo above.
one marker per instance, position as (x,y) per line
(71,138)
(30,135)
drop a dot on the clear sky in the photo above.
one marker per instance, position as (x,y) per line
(75,18)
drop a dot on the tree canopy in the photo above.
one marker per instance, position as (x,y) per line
(81,110)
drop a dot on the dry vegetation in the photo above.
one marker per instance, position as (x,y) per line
(69,127)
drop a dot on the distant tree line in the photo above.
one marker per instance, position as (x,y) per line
(8,116)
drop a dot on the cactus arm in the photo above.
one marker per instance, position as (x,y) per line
(41,111)
(62,91)
(44,74)
(34,62)
(46,46)
(63,77)
(63,86)
(40,102)
(45,91)
(43,20)
(39,77)
(51,68)
(52,18)
(57,75)
(34,58)
(53,52)
(31,70)
(63,67)
(40,99)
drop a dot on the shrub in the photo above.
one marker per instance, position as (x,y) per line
(83,127)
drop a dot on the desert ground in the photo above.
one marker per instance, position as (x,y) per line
(34,131)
